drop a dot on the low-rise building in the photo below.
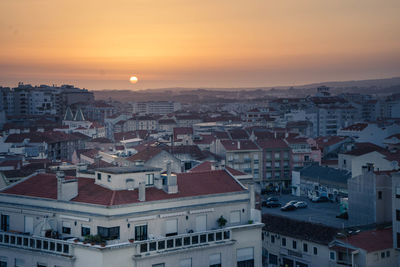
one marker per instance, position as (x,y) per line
(130,217)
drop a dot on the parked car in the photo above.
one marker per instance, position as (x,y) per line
(292,202)
(300,204)
(320,199)
(288,207)
(272,199)
(271,204)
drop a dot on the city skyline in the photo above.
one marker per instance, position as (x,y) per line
(204,44)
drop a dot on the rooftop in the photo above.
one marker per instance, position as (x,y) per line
(373,240)
(189,185)
(132,169)
(313,232)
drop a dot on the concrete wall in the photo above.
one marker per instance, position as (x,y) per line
(362,199)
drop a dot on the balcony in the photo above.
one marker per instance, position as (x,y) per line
(40,244)
(185,241)
(247,160)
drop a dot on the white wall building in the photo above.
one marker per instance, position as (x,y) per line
(140,218)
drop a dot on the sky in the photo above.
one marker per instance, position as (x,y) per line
(99,44)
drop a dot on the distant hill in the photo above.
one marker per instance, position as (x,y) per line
(372,86)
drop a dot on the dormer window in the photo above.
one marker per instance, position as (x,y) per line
(108,178)
(98,176)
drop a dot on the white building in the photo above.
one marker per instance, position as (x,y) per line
(155,107)
(132,216)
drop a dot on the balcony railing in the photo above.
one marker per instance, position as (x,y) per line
(41,244)
(182,241)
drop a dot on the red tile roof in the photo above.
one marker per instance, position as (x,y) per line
(204,166)
(189,185)
(145,154)
(220,135)
(124,136)
(364,148)
(238,134)
(272,143)
(356,127)
(39,137)
(373,240)
(324,141)
(205,139)
(182,131)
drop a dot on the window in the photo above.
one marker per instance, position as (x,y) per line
(215,260)
(158,265)
(201,223)
(235,217)
(277,155)
(185,263)
(41,265)
(272,239)
(277,164)
(19,263)
(305,247)
(245,257)
(108,178)
(387,254)
(66,228)
(315,251)
(141,232)
(332,255)
(108,233)
(283,241)
(398,240)
(98,176)
(273,259)
(150,179)
(294,244)
(379,194)
(85,230)
(286,154)
(397,191)
(5,222)
(28,224)
(3,261)
(171,227)
(397,215)
(382,255)
(268,155)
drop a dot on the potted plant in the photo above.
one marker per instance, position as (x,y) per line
(103,244)
(131,240)
(221,221)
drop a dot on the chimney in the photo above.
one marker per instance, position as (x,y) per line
(142,191)
(66,189)
(169,168)
(252,196)
(172,185)
(238,144)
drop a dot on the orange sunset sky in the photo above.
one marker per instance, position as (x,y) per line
(99,44)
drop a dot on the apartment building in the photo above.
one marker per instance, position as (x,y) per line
(132,216)
(370,197)
(276,162)
(292,243)
(244,156)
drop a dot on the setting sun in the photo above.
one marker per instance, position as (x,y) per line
(133,79)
